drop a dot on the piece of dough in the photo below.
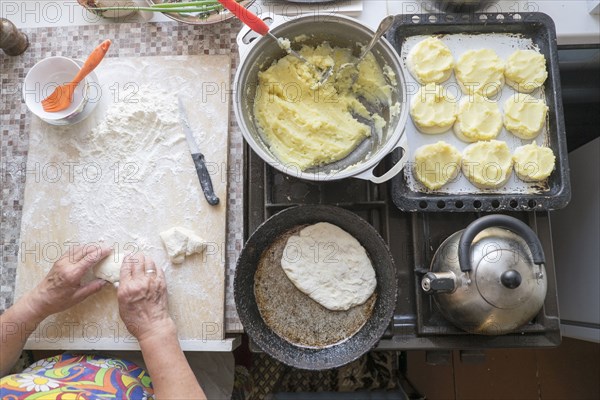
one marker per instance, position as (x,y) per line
(109,268)
(330,266)
(436,164)
(181,242)
(526,70)
(487,165)
(524,115)
(479,118)
(430,61)
(534,163)
(433,109)
(480,71)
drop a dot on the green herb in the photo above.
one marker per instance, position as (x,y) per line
(187,4)
(202,6)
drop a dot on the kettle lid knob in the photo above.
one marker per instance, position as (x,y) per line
(511,279)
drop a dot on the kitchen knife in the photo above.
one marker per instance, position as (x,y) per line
(198,158)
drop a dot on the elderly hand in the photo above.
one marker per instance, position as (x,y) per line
(142,296)
(62,287)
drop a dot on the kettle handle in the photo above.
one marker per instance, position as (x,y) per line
(500,221)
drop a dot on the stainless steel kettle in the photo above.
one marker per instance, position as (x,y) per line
(489,278)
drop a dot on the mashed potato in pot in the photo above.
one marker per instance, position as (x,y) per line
(306,124)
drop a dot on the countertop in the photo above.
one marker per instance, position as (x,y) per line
(52,25)
(575,25)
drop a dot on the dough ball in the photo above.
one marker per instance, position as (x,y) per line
(109,268)
(480,71)
(181,242)
(479,118)
(487,165)
(436,164)
(433,109)
(525,116)
(526,70)
(430,61)
(534,163)
(330,266)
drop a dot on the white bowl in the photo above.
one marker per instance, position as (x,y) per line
(45,76)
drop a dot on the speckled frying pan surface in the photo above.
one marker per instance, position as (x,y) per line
(290,326)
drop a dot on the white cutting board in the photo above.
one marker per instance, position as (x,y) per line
(80,189)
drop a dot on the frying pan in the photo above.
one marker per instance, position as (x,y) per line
(338,354)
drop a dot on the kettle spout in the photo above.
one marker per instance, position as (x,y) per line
(439,282)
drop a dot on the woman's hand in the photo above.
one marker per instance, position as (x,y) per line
(142,296)
(62,288)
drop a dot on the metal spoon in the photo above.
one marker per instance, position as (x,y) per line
(351,68)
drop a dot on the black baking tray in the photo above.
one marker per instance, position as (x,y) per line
(540,28)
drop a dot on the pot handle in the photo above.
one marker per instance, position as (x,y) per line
(243,47)
(395,170)
(500,221)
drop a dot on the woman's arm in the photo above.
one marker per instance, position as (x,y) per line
(143,307)
(60,290)
(167,365)
(16,324)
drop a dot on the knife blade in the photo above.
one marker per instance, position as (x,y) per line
(198,157)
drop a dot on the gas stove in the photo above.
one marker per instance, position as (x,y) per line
(413,239)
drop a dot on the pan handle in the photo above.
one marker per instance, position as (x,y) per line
(244,45)
(395,170)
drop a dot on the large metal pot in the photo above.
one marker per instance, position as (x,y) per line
(340,31)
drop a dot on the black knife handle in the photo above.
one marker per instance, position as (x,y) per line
(205,180)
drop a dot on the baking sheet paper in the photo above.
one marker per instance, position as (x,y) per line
(504,45)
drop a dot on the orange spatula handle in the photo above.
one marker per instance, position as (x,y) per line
(92,61)
(246,16)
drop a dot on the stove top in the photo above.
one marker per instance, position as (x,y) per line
(413,239)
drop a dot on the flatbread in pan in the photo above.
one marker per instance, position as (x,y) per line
(293,315)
